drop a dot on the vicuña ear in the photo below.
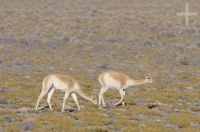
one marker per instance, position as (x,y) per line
(146,76)
(149,74)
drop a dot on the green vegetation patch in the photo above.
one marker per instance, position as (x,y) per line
(54,122)
(92,118)
(182,120)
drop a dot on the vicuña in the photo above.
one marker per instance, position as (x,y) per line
(119,81)
(65,83)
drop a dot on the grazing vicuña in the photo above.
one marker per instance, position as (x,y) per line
(65,83)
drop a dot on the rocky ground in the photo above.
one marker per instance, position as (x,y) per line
(85,38)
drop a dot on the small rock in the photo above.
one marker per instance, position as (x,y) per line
(27,77)
(103,66)
(148,44)
(70,69)
(152,106)
(151,89)
(26,126)
(2,91)
(196,104)
(20,68)
(4,102)
(111,102)
(189,32)
(187,89)
(22,110)
(185,61)
(44,109)
(156,104)
(8,119)
(89,78)
(101,48)
(195,124)
(178,110)
(1,129)
(141,118)
(66,39)
(168,34)
(109,123)
(198,45)
(69,108)
(185,78)
(170,126)
(139,101)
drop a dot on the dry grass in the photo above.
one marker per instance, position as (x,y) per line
(182,120)
(92,118)
(86,38)
(52,122)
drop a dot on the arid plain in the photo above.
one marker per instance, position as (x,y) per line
(85,38)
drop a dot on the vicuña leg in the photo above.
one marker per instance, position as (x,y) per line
(65,97)
(122,96)
(43,92)
(123,102)
(101,99)
(49,98)
(75,100)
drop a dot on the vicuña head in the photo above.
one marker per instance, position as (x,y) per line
(65,83)
(119,81)
(148,79)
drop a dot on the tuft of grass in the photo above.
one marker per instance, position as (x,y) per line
(92,118)
(53,122)
(138,109)
(88,129)
(11,127)
(182,120)
(190,129)
(187,77)
(154,126)
(14,126)
(122,122)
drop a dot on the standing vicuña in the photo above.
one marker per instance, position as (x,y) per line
(118,81)
(65,83)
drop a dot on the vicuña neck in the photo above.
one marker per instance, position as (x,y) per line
(138,82)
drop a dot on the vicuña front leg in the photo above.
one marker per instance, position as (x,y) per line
(49,98)
(75,100)
(43,92)
(65,97)
(101,99)
(38,101)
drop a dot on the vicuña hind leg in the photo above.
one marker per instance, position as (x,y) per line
(100,98)
(65,97)
(123,102)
